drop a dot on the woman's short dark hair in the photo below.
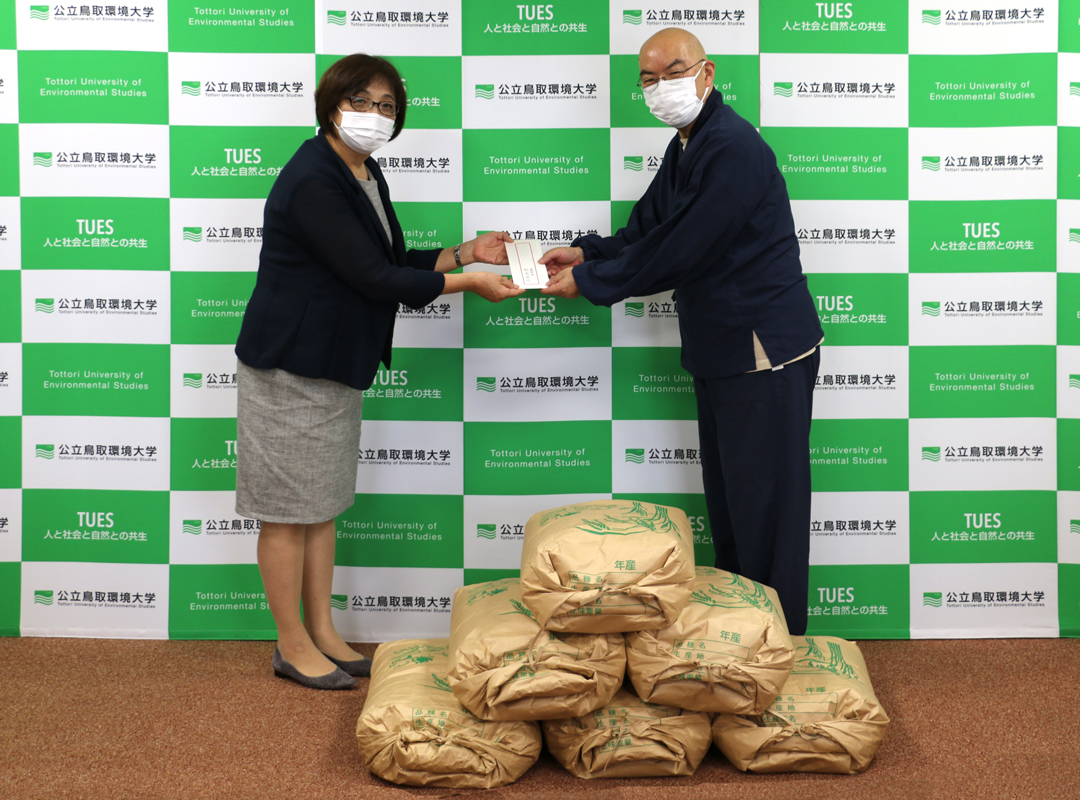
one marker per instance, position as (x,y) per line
(352,74)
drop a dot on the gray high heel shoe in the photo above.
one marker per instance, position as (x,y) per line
(360,668)
(337,679)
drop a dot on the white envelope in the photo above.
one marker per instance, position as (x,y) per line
(525,270)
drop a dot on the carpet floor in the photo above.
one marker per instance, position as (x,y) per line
(86,718)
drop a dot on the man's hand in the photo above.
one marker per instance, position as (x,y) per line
(561,258)
(563,283)
(488,248)
(493,287)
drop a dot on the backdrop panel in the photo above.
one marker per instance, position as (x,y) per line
(933,161)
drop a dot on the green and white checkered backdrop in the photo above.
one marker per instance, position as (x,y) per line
(933,160)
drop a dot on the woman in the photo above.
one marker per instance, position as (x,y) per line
(332,271)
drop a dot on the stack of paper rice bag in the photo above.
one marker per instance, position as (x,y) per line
(628,658)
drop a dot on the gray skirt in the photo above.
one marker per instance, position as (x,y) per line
(297,445)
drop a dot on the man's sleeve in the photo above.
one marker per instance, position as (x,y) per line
(725,187)
(329,230)
(643,217)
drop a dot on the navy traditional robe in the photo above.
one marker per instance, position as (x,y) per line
(715,225)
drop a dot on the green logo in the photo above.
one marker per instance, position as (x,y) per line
(783,29)
(335,17)
(192,526)
(485,384)
(485,91)
(628,17)
(43,598)
(486,474)
(783,89)
(339,601)
(107,398)
(519,608)
(931,309)
(932,163)
(931,454)
(145,516)
(931,599)
(1074,526)
(192,234)
(216,161)
(635,310)
(193,380)
(440,510)
(739,592)
(440,683)
(46,218)
(1074,89)
(192,88)
(635,456)
(935,221)
(485,531)
(589,153)
(814,660)
(39,12)
(47,451)
(934,106)
(45,305)
(240,28)
(411,659)
(633,163)
(931,17)
(42,159)
(1074,235)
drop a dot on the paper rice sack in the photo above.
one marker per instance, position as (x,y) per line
(629,738)
(607,566)
(414,731)
(728,651)
(503,665)
(825,719)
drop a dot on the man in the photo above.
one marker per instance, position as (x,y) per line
(715,225)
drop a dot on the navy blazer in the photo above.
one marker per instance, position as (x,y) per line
(715,225)
(329,280)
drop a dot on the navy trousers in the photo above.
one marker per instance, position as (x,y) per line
(755,461)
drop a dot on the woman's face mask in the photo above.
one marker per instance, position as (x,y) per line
(365,132)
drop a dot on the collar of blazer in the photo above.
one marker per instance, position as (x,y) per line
(363,204)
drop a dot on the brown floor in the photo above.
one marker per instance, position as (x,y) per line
(983,719)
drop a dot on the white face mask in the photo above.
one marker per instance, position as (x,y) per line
(365,132)
(675,103)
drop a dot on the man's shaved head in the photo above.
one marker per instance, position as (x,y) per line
(673,43)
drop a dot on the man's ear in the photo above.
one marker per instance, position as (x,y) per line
(710,72)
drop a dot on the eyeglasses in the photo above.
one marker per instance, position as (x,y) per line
(674,75)
(364,104)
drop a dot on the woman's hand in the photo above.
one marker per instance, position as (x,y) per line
(493,287)
(488,248)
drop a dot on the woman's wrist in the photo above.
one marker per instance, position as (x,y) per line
(468,251)
(445,262)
